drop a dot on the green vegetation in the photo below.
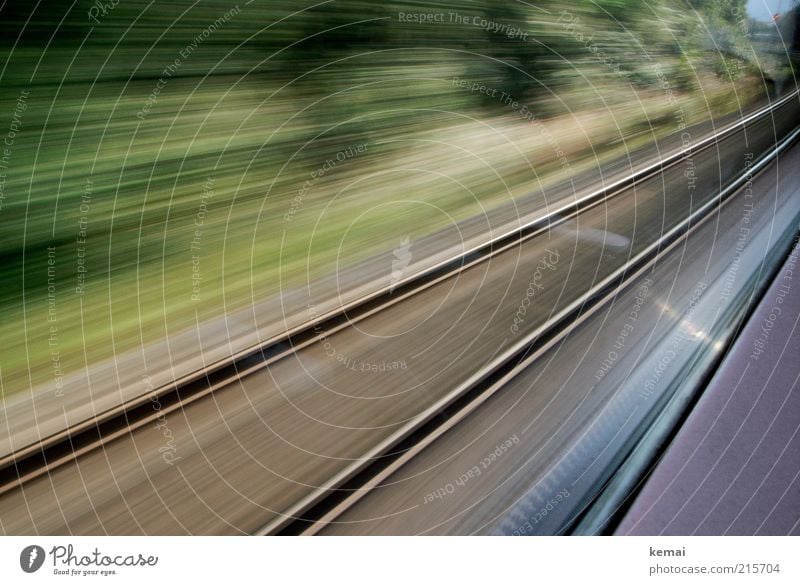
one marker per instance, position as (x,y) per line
(176,161)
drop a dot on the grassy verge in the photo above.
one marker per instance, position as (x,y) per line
(123,222)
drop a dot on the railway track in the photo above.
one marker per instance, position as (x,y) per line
(463,401)
(325,502)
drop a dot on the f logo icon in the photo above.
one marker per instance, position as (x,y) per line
(31,558)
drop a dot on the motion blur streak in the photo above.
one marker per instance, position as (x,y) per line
(183,180)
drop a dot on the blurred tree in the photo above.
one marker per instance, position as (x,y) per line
(622,10)
(524,64)
(728,10)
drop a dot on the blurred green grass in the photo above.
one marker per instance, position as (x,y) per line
(262,103)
